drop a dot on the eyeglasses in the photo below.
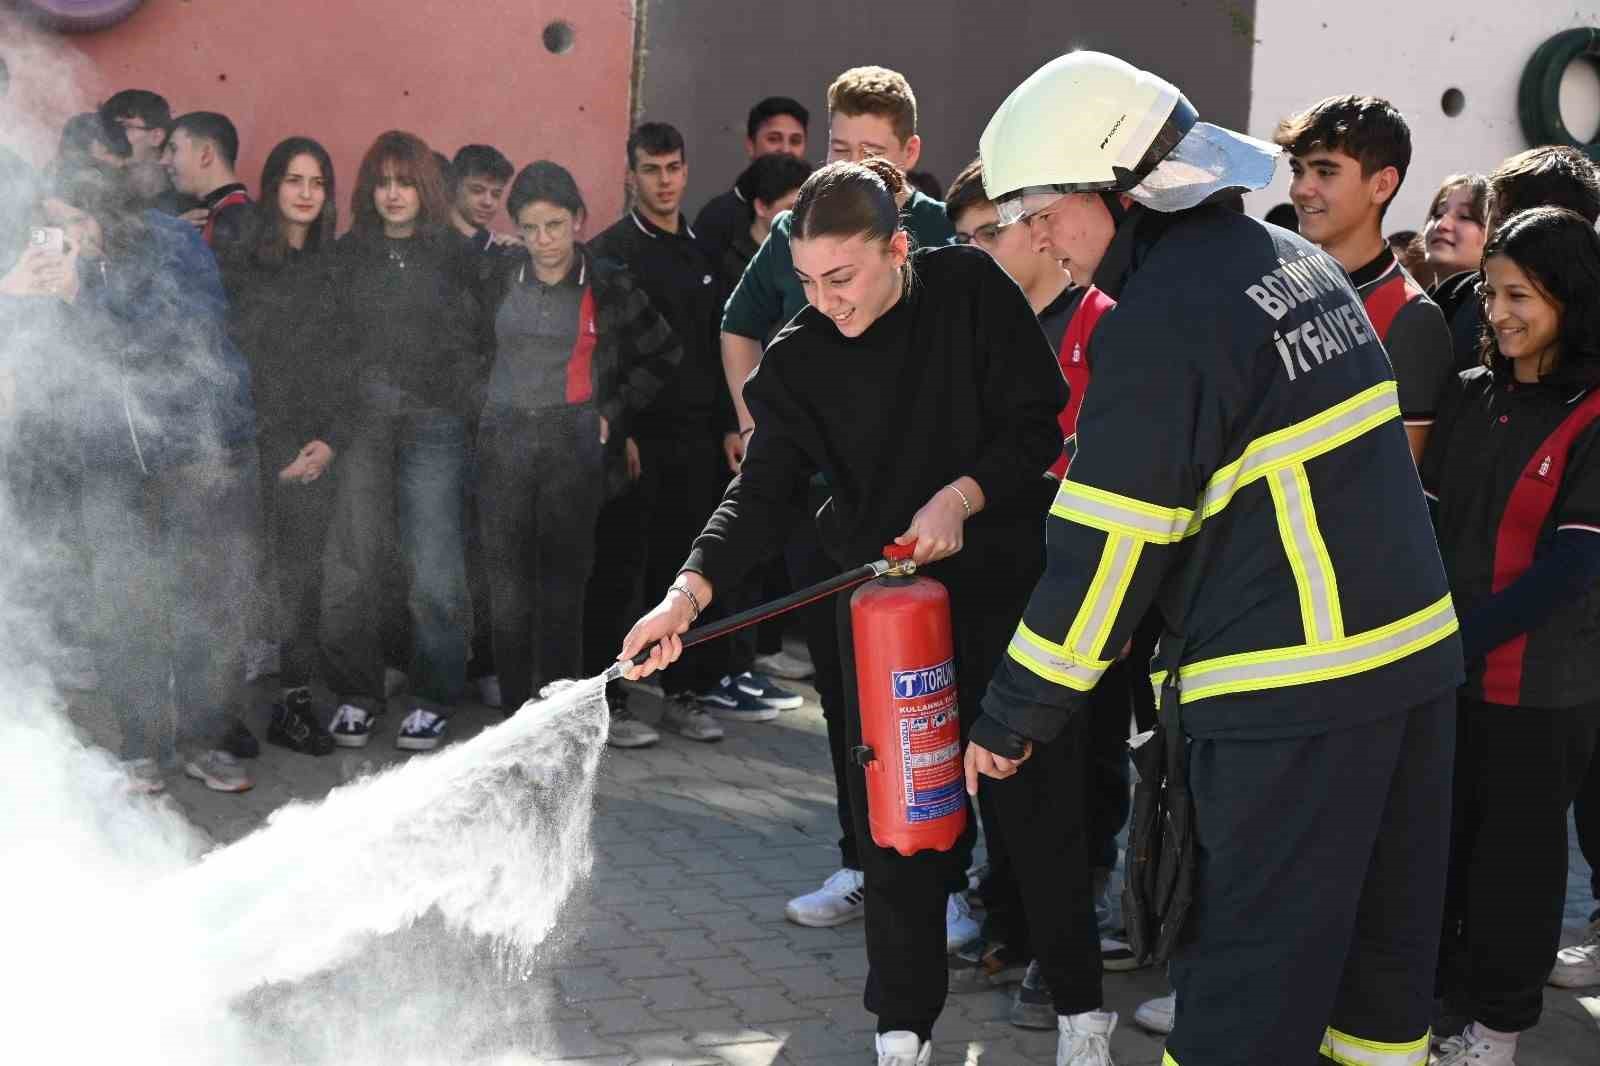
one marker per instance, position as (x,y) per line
(985,234)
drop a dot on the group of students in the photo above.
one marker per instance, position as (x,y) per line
(565,414)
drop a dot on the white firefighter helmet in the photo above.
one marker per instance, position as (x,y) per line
(1089,122)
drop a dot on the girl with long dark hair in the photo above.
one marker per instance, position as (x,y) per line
(1514,467)
(409,323)
(280,284)
(922,389)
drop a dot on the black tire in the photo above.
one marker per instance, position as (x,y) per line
(1539,95)
(80,16)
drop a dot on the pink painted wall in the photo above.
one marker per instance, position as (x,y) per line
(343,71)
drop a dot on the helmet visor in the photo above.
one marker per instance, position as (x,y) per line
(1208,162)
(1020,205)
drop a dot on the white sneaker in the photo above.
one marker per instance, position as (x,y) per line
(959,924)
(1579,965)
(1085,1039)
(902,1048)
(1471,1049)
(351,726)
(787,665)
(489,691)
(421,730)
(1155,1015)
(840,899)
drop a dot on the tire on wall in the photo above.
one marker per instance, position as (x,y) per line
(79,16)
(1539,95)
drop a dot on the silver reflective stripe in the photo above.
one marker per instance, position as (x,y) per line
(1308,558)
(1301,441)
(1051,661)
(1353,1051)
(1304,664)
(1098,611)
(1112,513)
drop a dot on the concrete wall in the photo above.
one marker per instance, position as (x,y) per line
(707,61)
(1411,54)
(343,71)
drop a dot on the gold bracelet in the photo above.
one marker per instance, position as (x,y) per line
(965,503)
(694,602)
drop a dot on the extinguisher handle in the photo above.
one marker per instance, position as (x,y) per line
(797,599)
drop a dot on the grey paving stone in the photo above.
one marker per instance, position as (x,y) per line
(653,915)
(730,928)
(717,974)
(771,953)
(762,1005)
(613,1017)
(717,1025)
(675,993)
(805,984)
(625,963)
(688,943)
(666,1049)
(580,984)
(752,1053)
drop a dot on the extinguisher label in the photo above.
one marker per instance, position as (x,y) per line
(930,741)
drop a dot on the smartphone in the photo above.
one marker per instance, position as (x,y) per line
(50,238)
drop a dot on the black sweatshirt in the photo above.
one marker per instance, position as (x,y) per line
(955,379)
(409,316)
(280,316)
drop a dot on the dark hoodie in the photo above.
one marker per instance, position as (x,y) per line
(281,318)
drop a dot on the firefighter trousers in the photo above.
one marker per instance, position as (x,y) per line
(1319,885)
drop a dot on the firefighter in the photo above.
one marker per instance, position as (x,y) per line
(1242,466)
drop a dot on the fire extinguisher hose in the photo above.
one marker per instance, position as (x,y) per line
(756,615)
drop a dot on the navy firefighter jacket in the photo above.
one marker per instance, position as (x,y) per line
(1242,466)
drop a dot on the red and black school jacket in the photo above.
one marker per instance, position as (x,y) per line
(1413,331)
(1510,464)
(624,352)
(1069,322)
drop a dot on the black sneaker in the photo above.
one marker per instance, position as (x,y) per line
(985,964)
(295,726)
(238,741)
(1032,1007)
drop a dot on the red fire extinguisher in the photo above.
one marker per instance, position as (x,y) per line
(910,722)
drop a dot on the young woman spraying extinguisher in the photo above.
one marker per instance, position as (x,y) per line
(1513,466)
(923,390)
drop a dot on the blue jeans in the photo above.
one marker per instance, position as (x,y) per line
(174,562)
(407,469)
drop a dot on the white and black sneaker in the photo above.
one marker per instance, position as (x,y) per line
(842,898)
(766,692)
(421,730)
(351,726)
(1116,956)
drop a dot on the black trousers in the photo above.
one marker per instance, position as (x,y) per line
(642,539)
(297,516)
(808,564)
(1517,771)
(908,975)
(1318,889)
(540,486)
(1087,774)
(1586,813)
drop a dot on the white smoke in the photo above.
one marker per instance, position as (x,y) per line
(396,921)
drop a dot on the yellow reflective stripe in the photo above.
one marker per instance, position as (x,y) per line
(1354,1051)
(1317,435)
(1120,515)
(1092,626)
(1054,662)
(1167,1059)
(1308,555)
(1304,664)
